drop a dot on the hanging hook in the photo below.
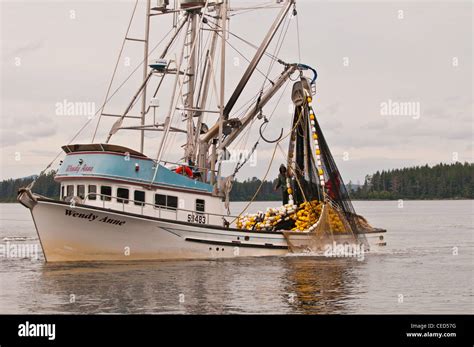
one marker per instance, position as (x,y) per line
(265,120)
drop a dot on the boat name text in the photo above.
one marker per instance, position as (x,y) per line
(92,217)
(79,168)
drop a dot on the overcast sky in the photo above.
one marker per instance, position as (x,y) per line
(369,56)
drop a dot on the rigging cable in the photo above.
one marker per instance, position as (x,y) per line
(90,120)
(263,6)
(270,56)
(242,55)
(247,132)
(115,69)
(297,32)
(268,168)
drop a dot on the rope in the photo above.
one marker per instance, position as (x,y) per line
(259,187)
(268,169)
(240,165)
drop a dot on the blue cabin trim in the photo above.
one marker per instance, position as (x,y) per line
(130,168)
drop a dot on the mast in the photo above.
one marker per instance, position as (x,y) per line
(189,106)
(172,106)
(222,92)
(206,150)
(118,124)
(202,148)
(145,74)
(216,128)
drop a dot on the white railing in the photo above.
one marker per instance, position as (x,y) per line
(133,205)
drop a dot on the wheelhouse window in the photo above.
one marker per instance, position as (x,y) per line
(92,191)
(200,205)
(106,193)
(81,189)
(172,202)
(160,200)
(122,195)
(166,201)
(69,191)
(62,193)
(139,197)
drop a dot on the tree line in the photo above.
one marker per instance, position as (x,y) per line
(442,181)
(45,185)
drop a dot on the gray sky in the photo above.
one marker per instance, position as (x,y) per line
(367,54)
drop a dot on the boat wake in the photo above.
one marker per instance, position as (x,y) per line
(19,238)
(319,254)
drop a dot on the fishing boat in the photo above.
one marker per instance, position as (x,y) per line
(118,203)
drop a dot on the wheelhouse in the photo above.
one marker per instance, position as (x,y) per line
(119,178)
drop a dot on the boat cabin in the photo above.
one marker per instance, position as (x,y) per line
(119,178)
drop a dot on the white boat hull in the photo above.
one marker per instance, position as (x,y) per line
(86,233)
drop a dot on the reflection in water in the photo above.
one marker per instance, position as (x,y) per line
(320,285)
(265,285)
(162,287)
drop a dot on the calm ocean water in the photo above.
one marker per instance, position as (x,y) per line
(427,267)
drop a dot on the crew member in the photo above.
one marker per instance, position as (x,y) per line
(281,183)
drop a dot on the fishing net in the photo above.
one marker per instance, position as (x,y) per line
(318,187)
(330,227)
(319,211)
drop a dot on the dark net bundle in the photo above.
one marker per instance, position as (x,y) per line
(324,211)
(307,186)
(336,214)
(335,188)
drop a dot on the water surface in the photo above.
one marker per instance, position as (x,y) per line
(427,267)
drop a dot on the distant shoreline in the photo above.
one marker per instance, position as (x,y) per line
(440,182)
(354,200)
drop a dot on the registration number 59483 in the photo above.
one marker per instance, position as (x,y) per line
(196,218)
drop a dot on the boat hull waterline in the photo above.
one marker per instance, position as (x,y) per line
(89,233)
